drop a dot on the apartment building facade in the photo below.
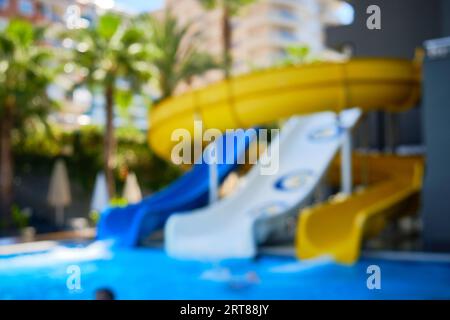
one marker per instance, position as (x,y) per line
(83,108)
(262,31)
(71,13)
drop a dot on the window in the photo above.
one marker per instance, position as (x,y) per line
(26,7)
(287,15)
(46,11)
(287,35)
(4,4)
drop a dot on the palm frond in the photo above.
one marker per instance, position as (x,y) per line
(28,71)
(175,60)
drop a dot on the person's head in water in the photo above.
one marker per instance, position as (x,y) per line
(104,294)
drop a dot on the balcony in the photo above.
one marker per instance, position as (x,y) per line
(287,3)
(273,17)
(276,39)
(283,18)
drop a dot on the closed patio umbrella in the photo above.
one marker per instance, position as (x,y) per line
(100,198)
(59,191)
(131,192)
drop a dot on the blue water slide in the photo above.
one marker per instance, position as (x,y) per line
(127,226)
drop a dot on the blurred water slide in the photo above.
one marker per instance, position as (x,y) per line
(233,227)
(128,226)
(337,228)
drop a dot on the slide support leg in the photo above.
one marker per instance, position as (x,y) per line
(346,163)
(213,179)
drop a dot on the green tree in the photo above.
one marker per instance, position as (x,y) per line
(114,57)
(26,71)
(174,60)
(298,55)
(229,8)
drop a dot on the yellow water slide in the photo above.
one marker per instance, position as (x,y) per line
(267,96)
(338,228)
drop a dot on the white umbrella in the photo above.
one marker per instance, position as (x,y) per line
(131,192)
(59,191)
(100,198)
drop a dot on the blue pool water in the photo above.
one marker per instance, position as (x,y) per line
(150,274)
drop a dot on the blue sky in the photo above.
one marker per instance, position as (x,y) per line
(141,5)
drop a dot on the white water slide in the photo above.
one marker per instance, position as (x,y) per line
(233,227)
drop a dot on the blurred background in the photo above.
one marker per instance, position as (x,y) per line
(75,126)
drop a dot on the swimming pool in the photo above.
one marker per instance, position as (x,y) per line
(150,274)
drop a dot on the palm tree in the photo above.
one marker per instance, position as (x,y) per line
(113,51)
(229,8)
(175,60)
(25,74)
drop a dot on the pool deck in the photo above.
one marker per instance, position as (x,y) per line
(43,242)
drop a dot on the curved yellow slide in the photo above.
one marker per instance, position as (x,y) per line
(264,97)
(337,228)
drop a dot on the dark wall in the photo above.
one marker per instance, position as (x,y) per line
(436,194)
(405,25)
(445,18)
